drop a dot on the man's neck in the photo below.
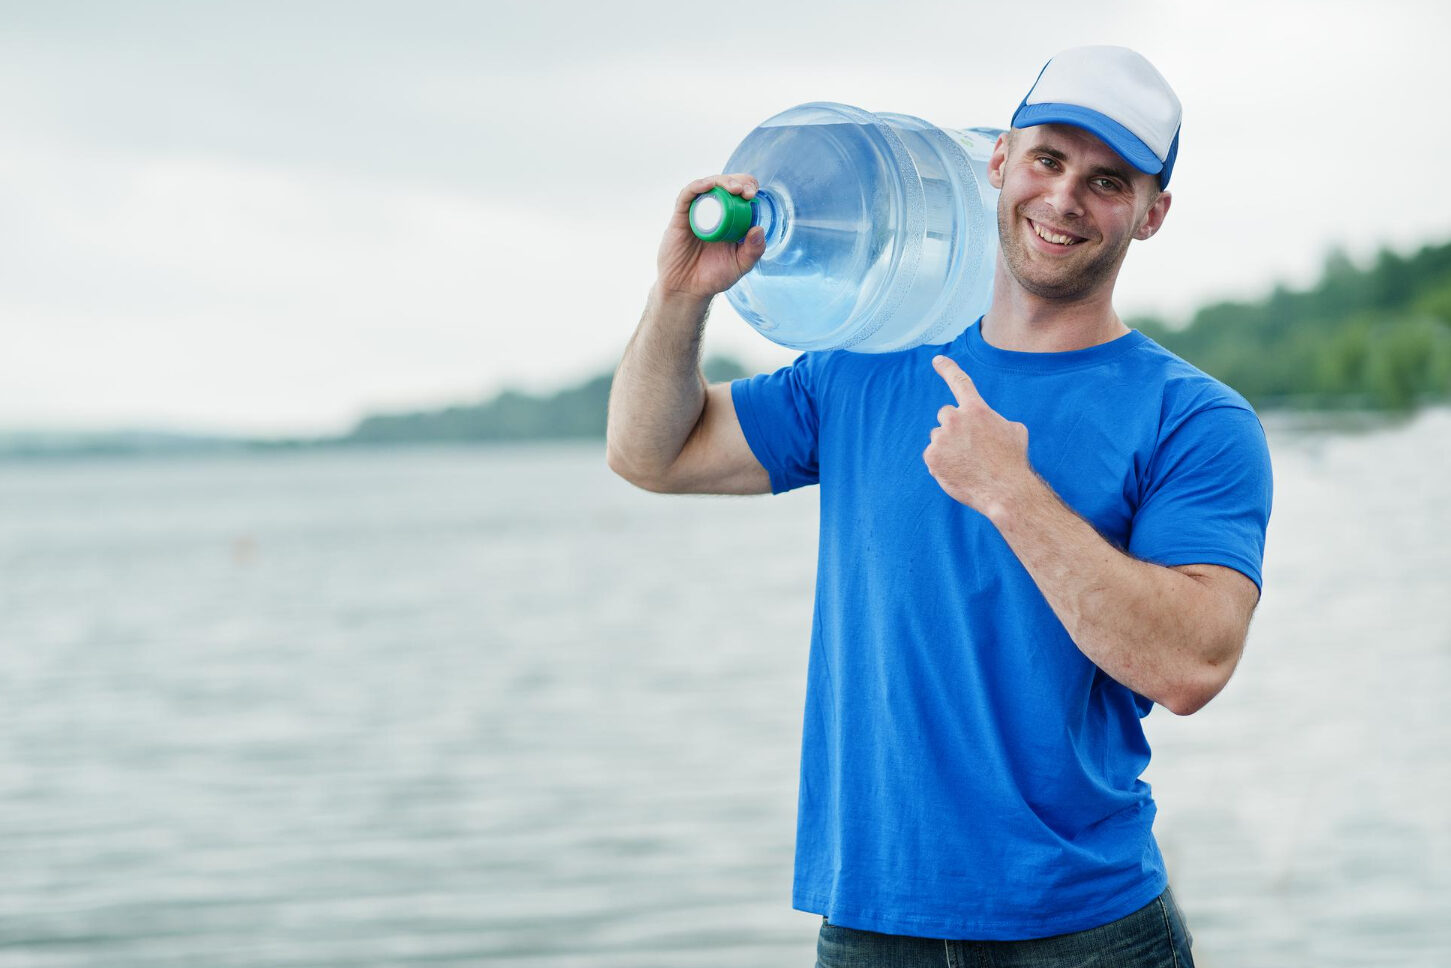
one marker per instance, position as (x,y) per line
(1025,323)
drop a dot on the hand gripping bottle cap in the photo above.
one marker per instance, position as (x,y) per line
(719,216)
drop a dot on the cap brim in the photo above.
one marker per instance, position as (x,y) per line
(1113,134)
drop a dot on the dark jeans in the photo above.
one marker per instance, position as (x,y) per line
(1154,936)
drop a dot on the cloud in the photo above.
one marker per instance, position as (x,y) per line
(278,215)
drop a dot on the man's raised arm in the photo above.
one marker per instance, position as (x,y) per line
(668,430)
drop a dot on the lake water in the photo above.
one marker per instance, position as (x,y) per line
(494,706)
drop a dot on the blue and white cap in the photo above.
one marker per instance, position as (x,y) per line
(1116,94)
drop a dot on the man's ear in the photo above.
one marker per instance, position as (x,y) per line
(998,160)
(1154,217)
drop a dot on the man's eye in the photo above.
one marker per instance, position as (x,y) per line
(1106,184)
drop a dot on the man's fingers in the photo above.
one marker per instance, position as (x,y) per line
(957,381)
(737,184)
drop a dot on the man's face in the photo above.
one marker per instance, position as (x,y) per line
(1069,208)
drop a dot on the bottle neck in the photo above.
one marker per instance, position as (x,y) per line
(772,212)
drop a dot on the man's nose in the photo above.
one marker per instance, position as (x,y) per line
(1066,197)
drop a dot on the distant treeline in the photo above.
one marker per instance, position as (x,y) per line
(1376,338)
(578,412)
(1364,338)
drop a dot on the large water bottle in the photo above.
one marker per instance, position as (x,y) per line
(881,229)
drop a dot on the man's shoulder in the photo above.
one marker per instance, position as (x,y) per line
(1185,389)
(872,374)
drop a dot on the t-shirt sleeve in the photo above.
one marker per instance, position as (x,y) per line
(1207,495)
(777,413)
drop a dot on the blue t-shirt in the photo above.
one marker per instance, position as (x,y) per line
(966,771)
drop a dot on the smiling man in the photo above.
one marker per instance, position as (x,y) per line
(1080,540)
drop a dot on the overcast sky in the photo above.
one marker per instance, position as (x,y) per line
(272,218)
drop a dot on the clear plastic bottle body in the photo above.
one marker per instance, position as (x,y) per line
(881,229)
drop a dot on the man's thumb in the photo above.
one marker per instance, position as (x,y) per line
(752,247)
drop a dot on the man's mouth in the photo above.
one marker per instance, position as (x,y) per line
(1057,238)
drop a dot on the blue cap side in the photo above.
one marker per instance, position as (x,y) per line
(1169,161)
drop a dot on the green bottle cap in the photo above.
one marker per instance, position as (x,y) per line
(719,216)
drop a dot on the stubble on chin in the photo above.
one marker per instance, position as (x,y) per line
(1068,282)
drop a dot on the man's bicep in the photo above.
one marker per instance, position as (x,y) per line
(716,459)
(1207,496)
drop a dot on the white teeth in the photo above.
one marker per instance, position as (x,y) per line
(1053,236)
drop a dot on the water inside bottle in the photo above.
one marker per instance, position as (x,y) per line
(827,238)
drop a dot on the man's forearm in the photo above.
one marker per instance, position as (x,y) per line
(658,391)
(1159,631)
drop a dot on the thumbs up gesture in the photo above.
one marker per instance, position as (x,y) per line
(976,455)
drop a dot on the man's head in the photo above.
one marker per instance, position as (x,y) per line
(1083,170)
